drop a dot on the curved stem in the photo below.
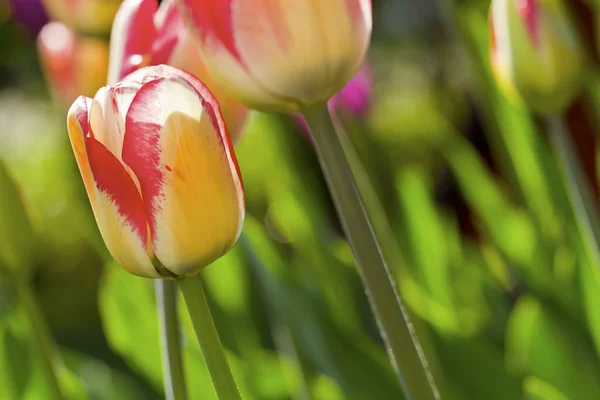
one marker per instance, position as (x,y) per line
(166,304)
(42,335)
(402,344)
(208,338)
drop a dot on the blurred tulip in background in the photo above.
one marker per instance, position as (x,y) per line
(145,34)
(160,172)
(536,52)
(73,64)
(281,55)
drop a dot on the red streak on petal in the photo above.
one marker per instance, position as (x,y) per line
(213,19)
(112,178)
(355,10)
(83,116)
(141,146)
(168,35)
(140,34)
(529,12)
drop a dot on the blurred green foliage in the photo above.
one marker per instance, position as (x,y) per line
(504,293)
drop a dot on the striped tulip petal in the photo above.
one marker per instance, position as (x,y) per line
(115,200)
(131,37)
(176,144)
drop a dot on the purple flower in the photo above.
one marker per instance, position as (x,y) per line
(355,97)
(29,13)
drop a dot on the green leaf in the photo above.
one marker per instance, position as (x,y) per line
(540,342)
(17,239)
(128,312)
(354,362)
(537,389)
(15,372)
(477,368)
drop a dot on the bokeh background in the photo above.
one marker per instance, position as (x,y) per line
(504,295)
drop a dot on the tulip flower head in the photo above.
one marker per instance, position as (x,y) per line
(281,55)
(145,34)
(160,171)
(536,52)
(72,64)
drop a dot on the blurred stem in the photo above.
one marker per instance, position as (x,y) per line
(578,190)
(173,374)
(42,336)
(402,344)
(208,338)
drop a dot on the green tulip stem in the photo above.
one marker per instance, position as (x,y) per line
(397,330)
(173,374)
(50,357)
(578,189)
(208,338)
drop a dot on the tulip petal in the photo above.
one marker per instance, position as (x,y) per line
(177,145)
(115,200)
(170,31)
(107,115)
(131,37)
(212,24)
(346,26)
(79,130)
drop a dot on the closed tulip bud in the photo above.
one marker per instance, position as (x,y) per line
(85,16)
(281,55)
(73,65)
(536,53)
(145,34)
(160,171)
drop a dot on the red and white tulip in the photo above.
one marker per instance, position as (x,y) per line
(160,171)
(145,34)
(281,55)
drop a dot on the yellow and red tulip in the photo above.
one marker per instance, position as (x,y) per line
(160,171)
(281,55)
(73,65)
(536,52)
(145,34)
(84,16)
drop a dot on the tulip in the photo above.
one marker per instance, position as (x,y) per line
(536,53)
(281,55)
(160,171)
(86,16)
(73,65)
(145,34)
